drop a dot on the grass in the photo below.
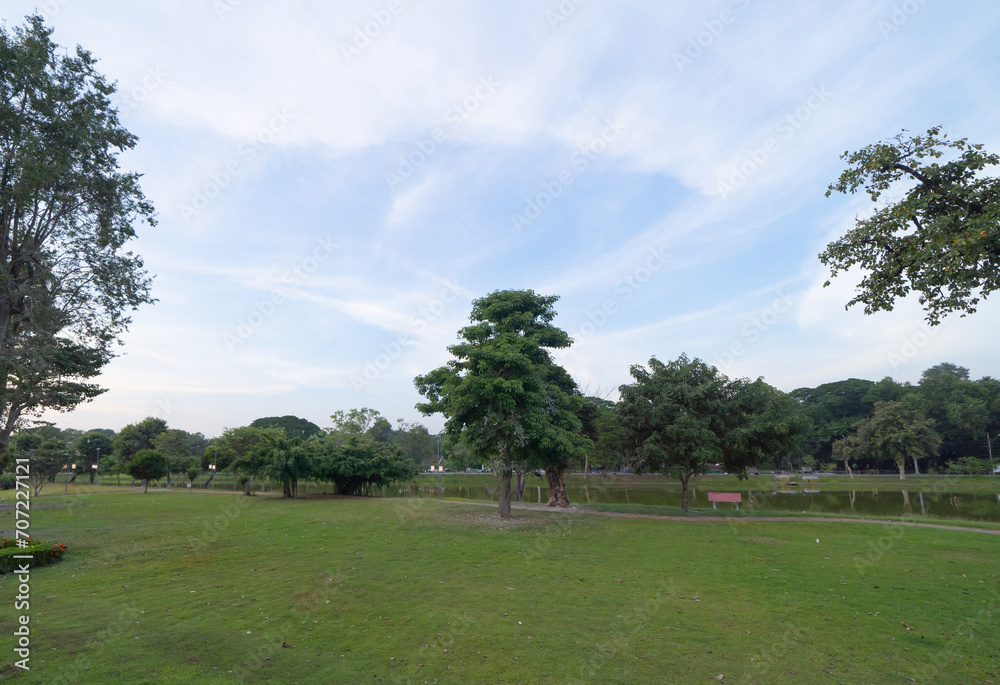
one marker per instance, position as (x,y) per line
(172,587)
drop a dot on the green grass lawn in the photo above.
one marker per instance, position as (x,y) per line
(174,587)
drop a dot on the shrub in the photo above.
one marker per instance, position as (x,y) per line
(42,553)
(6,483)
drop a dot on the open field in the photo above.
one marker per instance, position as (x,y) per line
(178,587)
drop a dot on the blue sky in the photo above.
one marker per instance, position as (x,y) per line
(336,184)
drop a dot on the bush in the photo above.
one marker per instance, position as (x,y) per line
(6,482)
(42,553)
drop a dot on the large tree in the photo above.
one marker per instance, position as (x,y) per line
(941,239)
(497,392)
(895,432)
(683,416)
(358,464)
(67,283)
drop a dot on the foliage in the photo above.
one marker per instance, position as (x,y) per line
(135,437)
(293,426)
(685,415)
(941,239)
(498,392)
(147,465)
(971,466)
(42,553)
(895,432)
(175,445)
(67,284)
(45,461)
(264,453)
(90,446)
(359,463)
(355,421)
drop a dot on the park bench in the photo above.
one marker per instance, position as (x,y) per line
(733,497)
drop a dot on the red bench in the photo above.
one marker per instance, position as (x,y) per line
(734,497)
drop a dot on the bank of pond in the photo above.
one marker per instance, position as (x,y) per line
(930,497)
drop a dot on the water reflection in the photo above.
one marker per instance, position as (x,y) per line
(780,496)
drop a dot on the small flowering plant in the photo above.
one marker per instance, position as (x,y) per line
(42,553)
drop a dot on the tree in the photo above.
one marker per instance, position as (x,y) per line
(67,284)
(293,426)
(147,465)
(495,393)
(682,416)
(135,437)
(847,449)
(46,459)
(90,446)
(359,463)
(942,239)
(895,432)
(355,421)
(416,442)
(175,445)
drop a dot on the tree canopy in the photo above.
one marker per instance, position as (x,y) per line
(941,239)
(499,393)
(683,416)
(67,283)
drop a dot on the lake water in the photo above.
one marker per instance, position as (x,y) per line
(978,504)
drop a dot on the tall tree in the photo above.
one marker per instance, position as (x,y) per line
(495,392)
(685,415)
(895,432)
(942,239)
(67,283)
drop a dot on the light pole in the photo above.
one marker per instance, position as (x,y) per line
(211,467)
(97,470)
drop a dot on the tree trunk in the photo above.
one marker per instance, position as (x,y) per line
(168,478)
(553,481)
(916,467)
(586,463)
(563,496)
(685,497)
(208,482)
(505,496)
(145,485)
(91,476)
(248,487)
(902,469)
(519,488)
(848,467)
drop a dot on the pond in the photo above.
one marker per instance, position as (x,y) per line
(973,504)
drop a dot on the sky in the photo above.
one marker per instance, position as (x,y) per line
(335,183)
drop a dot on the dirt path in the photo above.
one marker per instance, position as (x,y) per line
(730,519)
